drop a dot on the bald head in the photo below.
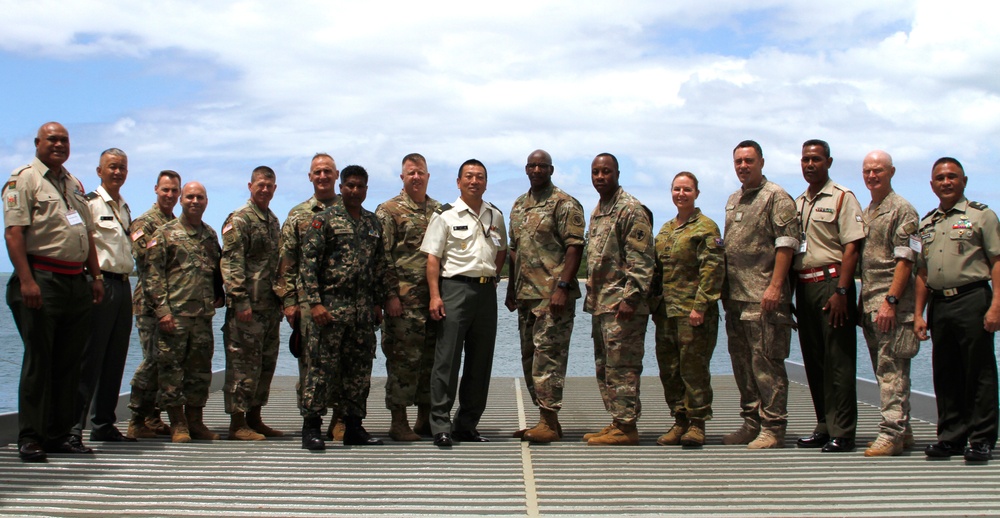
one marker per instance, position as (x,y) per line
(194,200)
(52,145)
(539,169)
(877,172)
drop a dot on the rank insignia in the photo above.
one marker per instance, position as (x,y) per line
(317,223)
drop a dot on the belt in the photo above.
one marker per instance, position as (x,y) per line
(819,274)
(48,264)
(472,280)
(954,292)
(116,276)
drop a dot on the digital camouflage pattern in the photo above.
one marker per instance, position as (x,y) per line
(620,259)
(889,227)
(344,268)
(249,269)
(758,346)
(184,281)
(408,340)
(545,350)
(618,352)
(891,357)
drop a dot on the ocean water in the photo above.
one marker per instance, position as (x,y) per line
(507,360)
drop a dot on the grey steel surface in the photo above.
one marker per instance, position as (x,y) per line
(504,477)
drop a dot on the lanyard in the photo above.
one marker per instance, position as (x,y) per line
(812,204)
(61,187)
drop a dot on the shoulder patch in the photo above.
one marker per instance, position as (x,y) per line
(227,227)
(91,195)
(978,206)
(12,200)
(719,242)
(137,234)
(910,228)
(317,223)
(12,184)
(445,207)
(151,243)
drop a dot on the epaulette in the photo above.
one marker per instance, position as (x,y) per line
(23,169)
(929,214)
(648,213)
(978,206)
(495,208)
(446,206)
(91,195)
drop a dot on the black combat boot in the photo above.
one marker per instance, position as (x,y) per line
(312,435)
(355,434)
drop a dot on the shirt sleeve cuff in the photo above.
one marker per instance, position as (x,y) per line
(786,242)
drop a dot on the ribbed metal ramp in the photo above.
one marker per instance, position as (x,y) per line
(502,478)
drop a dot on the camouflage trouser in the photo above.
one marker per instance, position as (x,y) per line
(683,353)
(145,382)
(339,367)
(890,354)
(545,350)
(408,344)
(251,356)
(305,323)
(184,358)
(758,346)
(618,350)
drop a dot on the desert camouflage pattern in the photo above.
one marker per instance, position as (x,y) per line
(758,346)
(890,229)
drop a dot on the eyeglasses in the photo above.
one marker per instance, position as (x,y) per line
(536,165)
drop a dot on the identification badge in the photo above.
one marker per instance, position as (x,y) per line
(915,243)
(496,241)
(74,218)
(739,217)
(802,246)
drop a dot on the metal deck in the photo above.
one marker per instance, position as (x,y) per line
(504,477)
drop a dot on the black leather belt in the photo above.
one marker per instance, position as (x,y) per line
(472,280)
(115,276)
(954,292)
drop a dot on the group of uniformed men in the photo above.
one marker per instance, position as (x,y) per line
(427,273)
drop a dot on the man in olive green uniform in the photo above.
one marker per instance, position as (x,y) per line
(546,246)
(826,299)
(887,300)
(253,312)
(762,233)
(48,231)
(185,286)
(146,422)
(323,175)
(620,264)
(407,332)
(960,257)
(344,275)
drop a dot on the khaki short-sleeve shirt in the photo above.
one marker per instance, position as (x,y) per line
(958,244)
(827,229)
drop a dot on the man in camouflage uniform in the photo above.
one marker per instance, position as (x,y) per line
(762,233)
(253,312)
(546,246)
(408,336)
(146,422)
(323,175)
(344,275)
(887,300)
(620,263)
(185,286)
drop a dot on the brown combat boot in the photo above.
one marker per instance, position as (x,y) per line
(196,426)
(694,437)
(239,430)
(603,431)
(254,422)
(178,424)
(885,446)
(336,430)
(620,434)
(673,435)
(422,426)
(746,433)
(399,429)
(137,429)
(156,424)
(768,439)
(547,429)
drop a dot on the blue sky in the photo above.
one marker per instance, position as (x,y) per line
(213,90)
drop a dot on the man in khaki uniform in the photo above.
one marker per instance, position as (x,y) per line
(407,330)
(546,246)
(762,233)
(49,236)
(826,299)
(887,300)
(146,422)
(959,259)
(111,329)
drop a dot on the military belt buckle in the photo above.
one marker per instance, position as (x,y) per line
(949,292)
(485,280)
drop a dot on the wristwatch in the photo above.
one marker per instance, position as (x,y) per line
(562,284)
(841,291)
(99,277)
(891,300)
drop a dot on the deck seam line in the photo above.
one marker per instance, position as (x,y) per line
(530,491)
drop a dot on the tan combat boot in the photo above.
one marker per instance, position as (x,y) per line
(157,425)
(178,425)
(196,426)
(621,434)
(256,424)
(768,439)
(336,430)
(547,429)
(239,430)
(694,437)
(884,446)
(137,429)
(746,433)
(673,435)
(588,436)
(422,426)
(399,429)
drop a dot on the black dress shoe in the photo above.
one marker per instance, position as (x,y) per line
(442,440)
(942,450)
(358,436)
(839,445)
(111,434)
(72,444)
(978,452)
(816,440)
(31,452)
(468,436)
